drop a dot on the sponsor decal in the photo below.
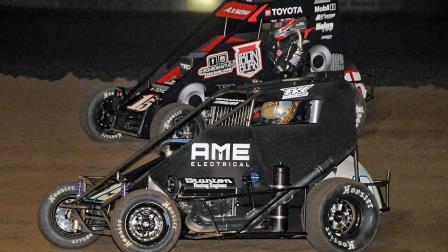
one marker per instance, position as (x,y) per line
(268,13)
(254,177)
(210,183)
(296,92)
(285,11)
(159,89)
(217,64)
(327,37)
(227,102)
(325,27)
(225,85)
(185,67)
(107,193)
(325,16)
(144,103)
(235,10)
(248,59)
(348,189)
(352,76)
(349,245)
(321,2)
(227,155)
(325,8)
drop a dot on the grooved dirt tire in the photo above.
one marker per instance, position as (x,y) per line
(92,112)
(146,221)
(342,215)
(172,113)
(53,222)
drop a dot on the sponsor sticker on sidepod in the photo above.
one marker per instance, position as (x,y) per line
(296,92)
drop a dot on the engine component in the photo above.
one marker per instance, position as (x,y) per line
(279,217)
(223,107)
(320,57)
(201,186)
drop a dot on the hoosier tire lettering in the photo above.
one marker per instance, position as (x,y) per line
(342,215)
(348,189)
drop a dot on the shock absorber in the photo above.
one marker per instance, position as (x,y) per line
(279,217)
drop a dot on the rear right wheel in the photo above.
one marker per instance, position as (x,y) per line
(171,114)
(342,215)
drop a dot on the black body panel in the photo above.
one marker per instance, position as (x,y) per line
(300,147)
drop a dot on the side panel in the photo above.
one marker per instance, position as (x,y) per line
(236,151)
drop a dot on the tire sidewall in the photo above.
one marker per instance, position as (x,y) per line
(47,224)
(166,118)
(170,119)
(365,204)
(100,97)
(120,234)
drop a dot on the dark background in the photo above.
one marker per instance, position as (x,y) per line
(404,40)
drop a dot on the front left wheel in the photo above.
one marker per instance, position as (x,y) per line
(146,221)
(57,224)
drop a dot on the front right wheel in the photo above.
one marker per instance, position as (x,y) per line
(342,215)
(146,221)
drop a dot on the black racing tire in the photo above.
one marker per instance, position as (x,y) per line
(53,223)
(92,108)
(361,112)
(342,215)
(169,115)
(132,215)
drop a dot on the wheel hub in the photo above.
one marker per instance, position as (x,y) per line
(146,224)
(341,216)
(187,131)
(63,217)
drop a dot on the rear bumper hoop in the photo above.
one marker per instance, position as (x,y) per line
(383,187)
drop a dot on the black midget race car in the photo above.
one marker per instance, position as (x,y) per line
(257,135)
(277,176)
(244,42)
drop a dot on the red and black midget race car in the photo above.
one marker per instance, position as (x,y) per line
(244,42)
(256,127)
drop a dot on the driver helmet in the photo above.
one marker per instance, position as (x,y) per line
(282,28)
(278,112)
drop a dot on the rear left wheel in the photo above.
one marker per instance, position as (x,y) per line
(94,117)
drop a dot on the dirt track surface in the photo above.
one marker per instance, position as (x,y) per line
(42,145)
